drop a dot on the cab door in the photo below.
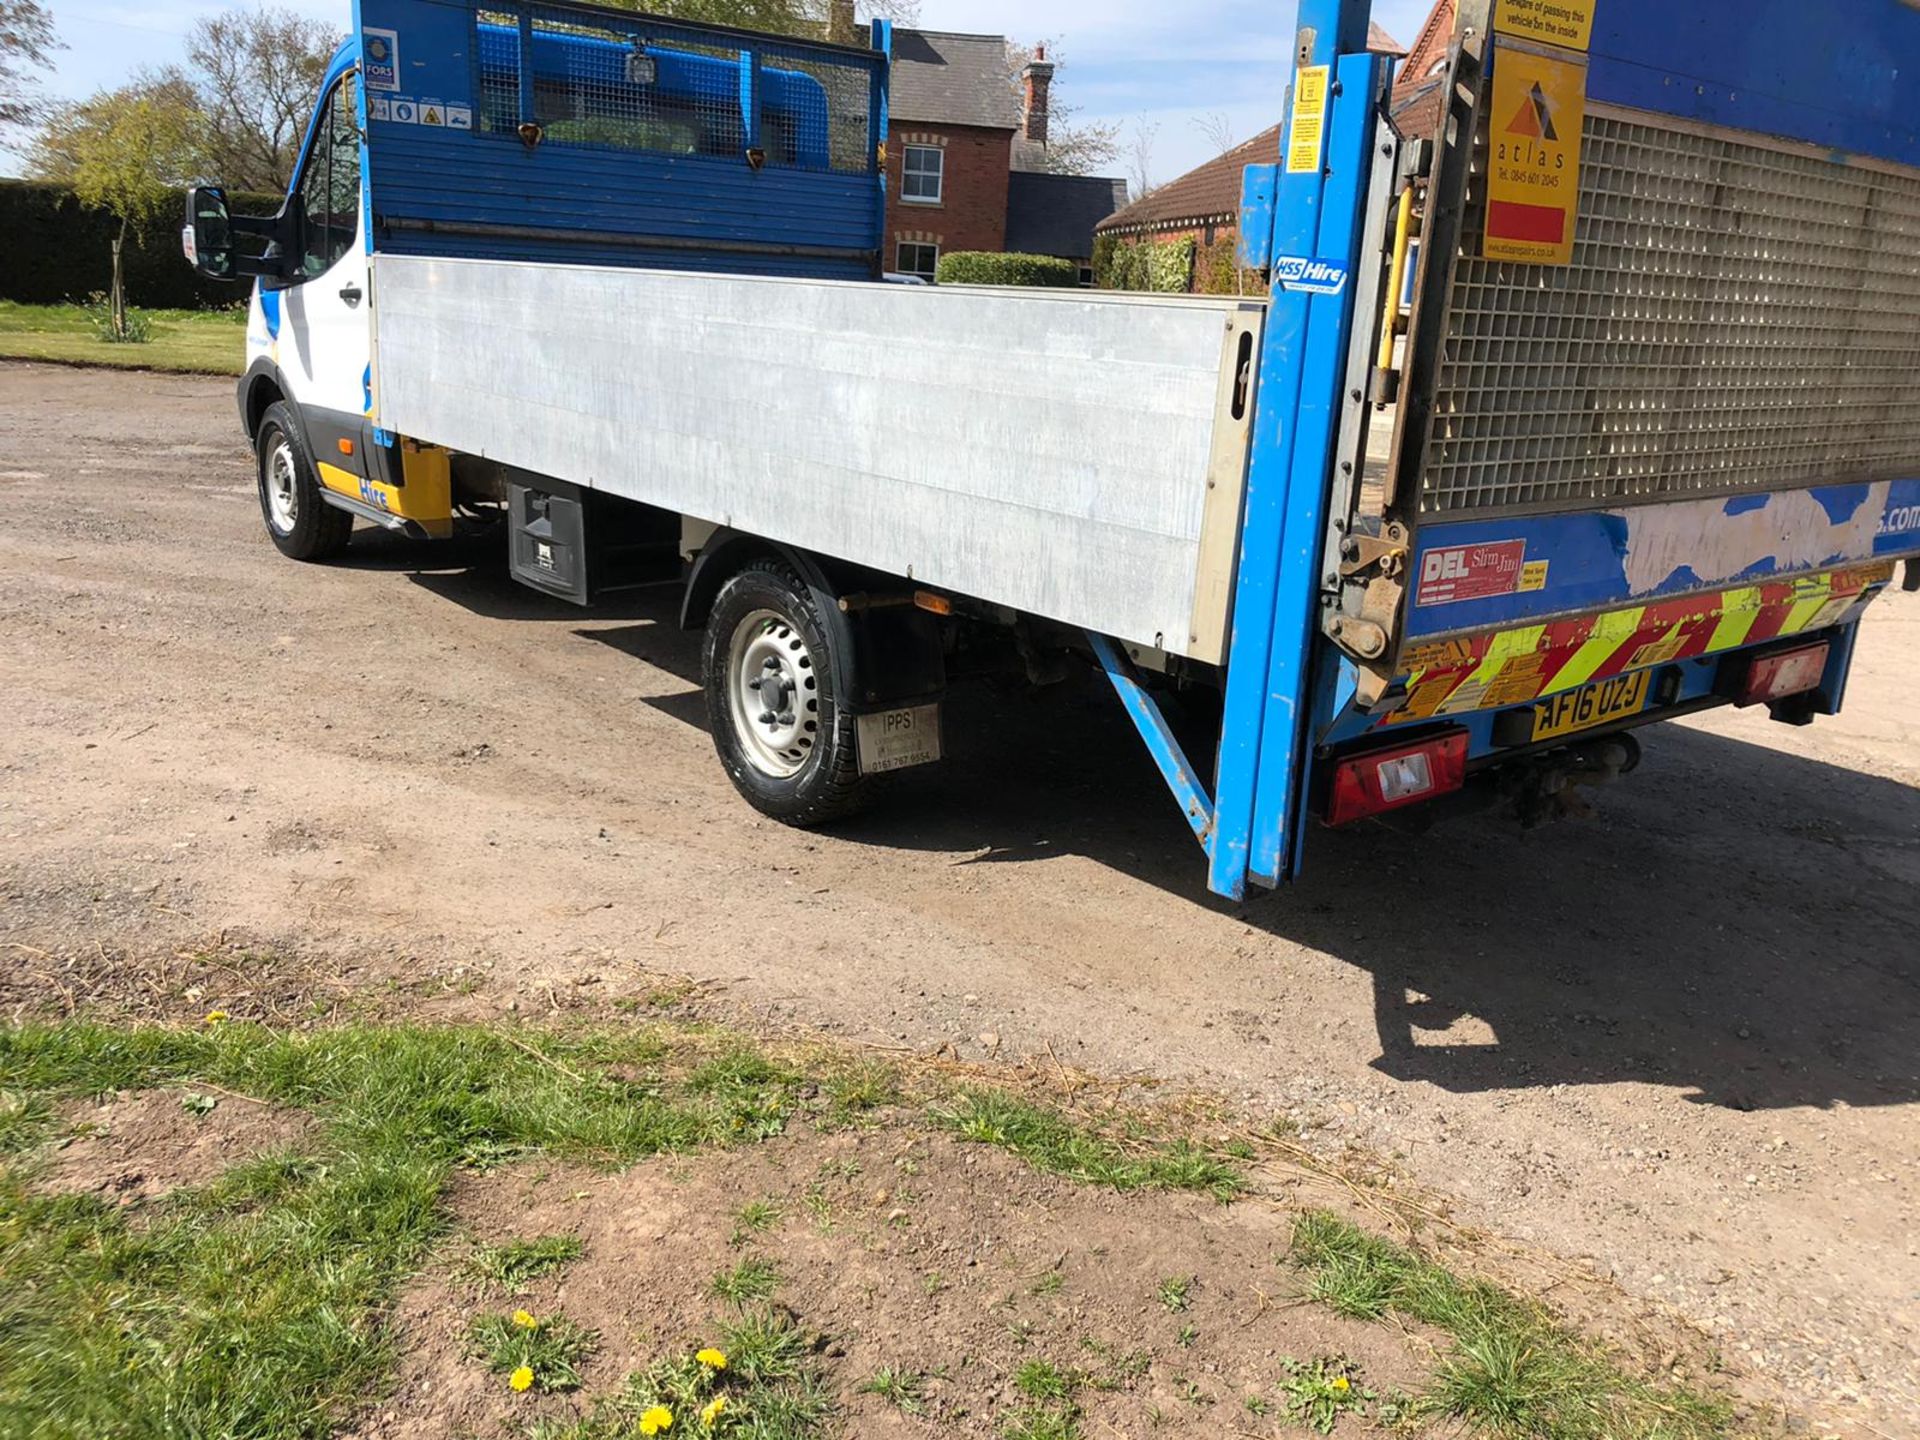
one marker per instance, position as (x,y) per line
(326,337)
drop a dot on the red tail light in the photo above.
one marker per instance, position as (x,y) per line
(1788,672)
(1392,779)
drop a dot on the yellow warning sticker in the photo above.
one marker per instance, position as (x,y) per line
(1533,575)
(1553,22)
(1307,136)
(1533,181)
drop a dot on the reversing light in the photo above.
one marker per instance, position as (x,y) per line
(1392,779)
(1785,673)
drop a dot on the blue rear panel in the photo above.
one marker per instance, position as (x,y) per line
(574,134)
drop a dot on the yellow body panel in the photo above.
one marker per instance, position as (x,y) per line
(426,499)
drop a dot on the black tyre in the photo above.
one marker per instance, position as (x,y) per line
(784,741)
(300,523)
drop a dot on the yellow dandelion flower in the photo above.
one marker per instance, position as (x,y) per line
(711,1411)
(217,1017)
(522,1378)
(656,1419)
(713,1359)
(1342,1384)
(525,1321)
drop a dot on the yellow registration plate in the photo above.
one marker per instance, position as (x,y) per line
(1590,706)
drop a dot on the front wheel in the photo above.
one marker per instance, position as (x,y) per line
(782,737)
(300,524)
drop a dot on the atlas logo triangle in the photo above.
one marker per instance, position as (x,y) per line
(1535,118)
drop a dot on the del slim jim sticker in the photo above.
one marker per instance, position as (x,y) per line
(1533,181)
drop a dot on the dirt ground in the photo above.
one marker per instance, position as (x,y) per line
(1676,1044)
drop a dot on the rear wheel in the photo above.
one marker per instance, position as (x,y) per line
(776,722)
(300,524)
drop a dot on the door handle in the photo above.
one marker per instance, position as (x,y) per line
(351,294)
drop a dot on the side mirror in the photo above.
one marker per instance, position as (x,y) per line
(207,237)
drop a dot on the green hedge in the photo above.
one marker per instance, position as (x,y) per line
(58,250)
(979,267)
(1162,266)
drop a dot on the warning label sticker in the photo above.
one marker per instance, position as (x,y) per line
(1307,135)
(1533,184)
(1556,22)
(1471,572)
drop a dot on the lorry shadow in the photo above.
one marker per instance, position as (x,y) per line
(1735,921)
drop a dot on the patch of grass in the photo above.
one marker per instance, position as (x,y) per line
(1514,1371)
(543,1352)
(1059,1421)
(208,342)
(1318,1394)
(1049,1141)
(1176,1293)
(514,1264)
(750,1281)
(246,1307)
(24,1121)
(764,1346)
(756,1217)
(1050,1283)
(862,1087)
(905,1390)
(1041,1380)
(759,1384)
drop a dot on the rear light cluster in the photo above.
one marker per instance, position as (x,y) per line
(1387,780)
(1784,673)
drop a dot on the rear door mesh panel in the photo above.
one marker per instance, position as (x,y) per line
(1736,319)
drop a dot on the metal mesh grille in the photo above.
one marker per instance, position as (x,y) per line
(1735,319)
(636,84)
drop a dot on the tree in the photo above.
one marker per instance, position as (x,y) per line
(128,152)
(1072,148)
(26,43)
(1140,157)
(1217,130)
(257,75)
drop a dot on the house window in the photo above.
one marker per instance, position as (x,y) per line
(918,259)
(922,170)
(1086,277)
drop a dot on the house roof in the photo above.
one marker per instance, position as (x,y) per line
(1211,194)
(1208,195)
(1419,94)
(947,79)
(1056,214)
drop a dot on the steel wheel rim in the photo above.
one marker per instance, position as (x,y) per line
(773,692)
(283,496)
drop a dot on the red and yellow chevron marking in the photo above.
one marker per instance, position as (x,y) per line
(1513,667)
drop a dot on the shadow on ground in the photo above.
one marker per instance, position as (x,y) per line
(1737,921)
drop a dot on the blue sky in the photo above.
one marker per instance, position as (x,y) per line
(1169,64)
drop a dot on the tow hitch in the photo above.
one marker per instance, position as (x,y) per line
(1548,787)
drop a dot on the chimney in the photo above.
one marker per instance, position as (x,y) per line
(1039,76)
(842,28)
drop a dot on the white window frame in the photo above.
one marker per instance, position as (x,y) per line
(927,274)
(908,173)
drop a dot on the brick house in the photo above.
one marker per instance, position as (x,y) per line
(966,158)
(1203,205)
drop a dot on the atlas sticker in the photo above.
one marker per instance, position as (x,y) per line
(380,59)
(1311,277)
(1306,137)
(1533,184)
(1554,22)
(1471,572)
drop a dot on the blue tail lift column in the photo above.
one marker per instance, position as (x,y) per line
(1252,825)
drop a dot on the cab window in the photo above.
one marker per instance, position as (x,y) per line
(329,196)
